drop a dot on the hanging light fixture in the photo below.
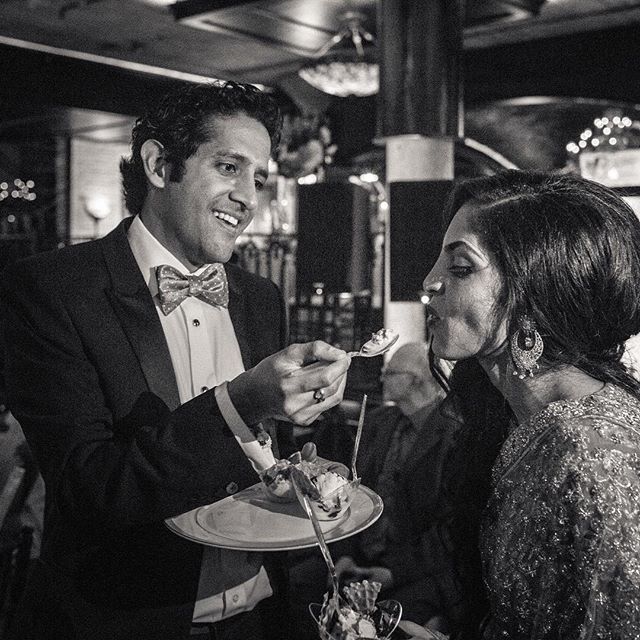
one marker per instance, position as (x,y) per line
(346,65)
(609,150)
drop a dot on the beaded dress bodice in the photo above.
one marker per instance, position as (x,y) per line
(560,538)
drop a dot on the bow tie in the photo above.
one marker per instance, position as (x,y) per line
(173,287)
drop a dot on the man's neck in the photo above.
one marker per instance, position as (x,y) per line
(416,406)
(154,228)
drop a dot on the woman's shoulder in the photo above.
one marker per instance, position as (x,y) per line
(607,419)
(595,444)
(577,438)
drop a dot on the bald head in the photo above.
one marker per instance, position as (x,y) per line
(407,379)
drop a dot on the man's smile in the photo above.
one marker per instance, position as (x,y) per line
(227,217)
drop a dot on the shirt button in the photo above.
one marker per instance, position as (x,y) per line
(195,322)
(231,488)
(203,389)
(235,598)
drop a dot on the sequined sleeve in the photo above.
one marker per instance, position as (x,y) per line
(561,533)
(601,503)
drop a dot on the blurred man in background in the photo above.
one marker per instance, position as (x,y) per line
(403,455)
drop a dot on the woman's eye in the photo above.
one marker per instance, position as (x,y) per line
(259,185)
(460,271)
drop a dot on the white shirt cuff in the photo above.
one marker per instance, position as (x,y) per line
(260,456)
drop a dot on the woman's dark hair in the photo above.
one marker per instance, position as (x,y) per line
(484,418)
(179,122)
(569,253)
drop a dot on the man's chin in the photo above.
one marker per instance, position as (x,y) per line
(218,255)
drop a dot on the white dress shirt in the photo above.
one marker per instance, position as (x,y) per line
(205,355)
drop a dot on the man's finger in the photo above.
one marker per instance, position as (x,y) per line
(321,373)
(309,452)
(311,352)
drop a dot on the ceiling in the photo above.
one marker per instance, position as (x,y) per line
(265,41)
(85,67)
(111,56)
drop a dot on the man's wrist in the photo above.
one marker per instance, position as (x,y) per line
(245,399)
(254,441)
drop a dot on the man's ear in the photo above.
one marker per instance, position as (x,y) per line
(154,162)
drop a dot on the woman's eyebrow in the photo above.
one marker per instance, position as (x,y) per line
(452,246)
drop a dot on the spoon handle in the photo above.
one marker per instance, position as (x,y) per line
(356,444)
(322,543)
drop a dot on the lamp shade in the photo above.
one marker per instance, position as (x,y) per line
(346,65)
(343,78)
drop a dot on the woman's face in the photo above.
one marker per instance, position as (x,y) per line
(464,286)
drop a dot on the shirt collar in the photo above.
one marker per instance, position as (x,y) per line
(149,253)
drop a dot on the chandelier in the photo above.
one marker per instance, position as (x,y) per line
(609,150)
(349,70)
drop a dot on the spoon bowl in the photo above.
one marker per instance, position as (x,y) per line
(381,341)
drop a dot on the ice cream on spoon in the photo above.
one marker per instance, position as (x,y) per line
(381,341)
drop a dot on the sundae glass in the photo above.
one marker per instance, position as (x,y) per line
(355,615)
(329,493)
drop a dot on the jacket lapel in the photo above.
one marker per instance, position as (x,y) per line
(238,313)
(134,306)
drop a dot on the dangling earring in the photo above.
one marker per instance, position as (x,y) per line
(526,348)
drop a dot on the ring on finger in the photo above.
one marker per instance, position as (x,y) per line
(319,396)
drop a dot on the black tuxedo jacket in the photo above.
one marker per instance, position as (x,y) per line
(89,378)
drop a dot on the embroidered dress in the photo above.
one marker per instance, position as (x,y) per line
(560,539)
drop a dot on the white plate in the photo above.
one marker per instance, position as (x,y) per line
(248,521)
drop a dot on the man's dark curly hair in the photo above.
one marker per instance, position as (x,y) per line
(179,123)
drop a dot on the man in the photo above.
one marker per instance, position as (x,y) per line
(404,449)
(126,369)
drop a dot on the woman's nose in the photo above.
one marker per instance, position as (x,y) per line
(432,286)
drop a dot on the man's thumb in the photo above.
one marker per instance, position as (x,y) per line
(309,451)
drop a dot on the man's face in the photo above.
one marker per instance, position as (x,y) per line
(397,378)
(200,218)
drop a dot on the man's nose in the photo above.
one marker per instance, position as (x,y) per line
(245,192)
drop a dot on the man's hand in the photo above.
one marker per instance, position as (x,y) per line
(282,386)
(414,631)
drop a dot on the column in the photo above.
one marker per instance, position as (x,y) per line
(419,116)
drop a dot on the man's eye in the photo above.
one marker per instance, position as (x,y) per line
(460,271)
(259,185)
(229,167)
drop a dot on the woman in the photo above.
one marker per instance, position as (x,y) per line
(538,279)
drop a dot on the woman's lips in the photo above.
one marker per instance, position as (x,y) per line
(432,316)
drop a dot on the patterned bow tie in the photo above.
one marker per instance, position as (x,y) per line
(173,287)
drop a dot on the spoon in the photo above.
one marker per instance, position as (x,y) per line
(326,554)
(380,342)
(356,444)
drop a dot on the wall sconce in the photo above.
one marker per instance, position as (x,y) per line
(97,207)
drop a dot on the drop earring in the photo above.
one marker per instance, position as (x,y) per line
(526,348)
